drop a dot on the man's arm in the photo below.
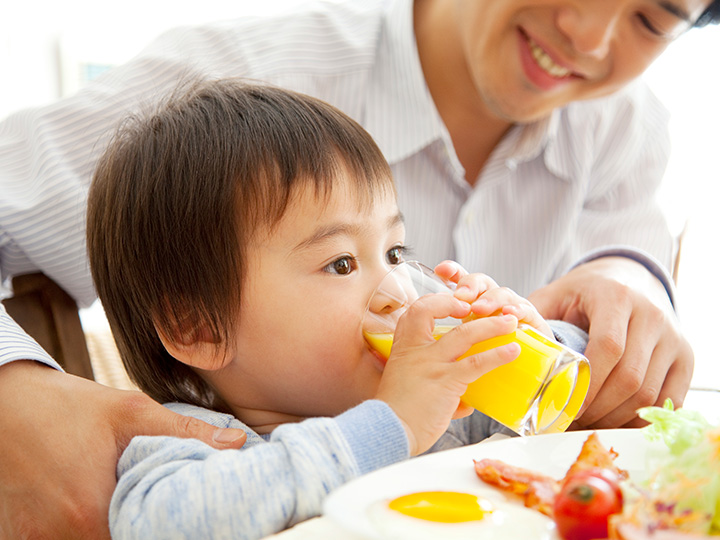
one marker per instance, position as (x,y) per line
(60,438)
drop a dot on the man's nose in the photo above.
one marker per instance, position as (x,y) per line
(590,25)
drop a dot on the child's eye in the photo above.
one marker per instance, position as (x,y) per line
(395,255)
(342,266)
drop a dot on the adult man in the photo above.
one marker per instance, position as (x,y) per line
(501,162)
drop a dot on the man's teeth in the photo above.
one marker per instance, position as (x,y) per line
(545,62)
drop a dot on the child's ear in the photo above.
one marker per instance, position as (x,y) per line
(195,346)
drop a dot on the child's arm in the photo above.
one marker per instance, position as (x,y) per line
(181,488)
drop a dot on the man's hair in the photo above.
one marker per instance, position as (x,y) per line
(178,195)
(710,16)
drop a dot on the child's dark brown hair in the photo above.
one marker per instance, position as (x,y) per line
(179,193)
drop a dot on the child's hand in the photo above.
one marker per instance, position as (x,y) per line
(423,381)
(487,298)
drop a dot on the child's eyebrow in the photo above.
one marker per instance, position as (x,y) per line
(397,219)
(323,233)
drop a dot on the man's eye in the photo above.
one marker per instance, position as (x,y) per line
(341,266)
(662,30)
(649,25)
(395,255)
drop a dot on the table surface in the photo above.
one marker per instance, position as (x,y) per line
(705,400)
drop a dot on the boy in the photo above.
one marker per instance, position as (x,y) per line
(252,224)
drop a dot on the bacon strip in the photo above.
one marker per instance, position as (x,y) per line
(594,455)
(537,490)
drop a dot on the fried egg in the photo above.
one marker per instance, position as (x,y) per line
(449,515)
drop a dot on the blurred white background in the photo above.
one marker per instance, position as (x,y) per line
(47,48)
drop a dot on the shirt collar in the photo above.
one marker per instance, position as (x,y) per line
(540,138)
(557,155)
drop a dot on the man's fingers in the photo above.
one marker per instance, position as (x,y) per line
(546,304)
(188,427)
(678,380)
(650,371)
(620,362)
(675,386)
(604,351)
(140,415)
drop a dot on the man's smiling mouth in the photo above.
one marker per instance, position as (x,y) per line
(544,62)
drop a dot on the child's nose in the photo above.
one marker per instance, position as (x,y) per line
(384,303)
(395,292)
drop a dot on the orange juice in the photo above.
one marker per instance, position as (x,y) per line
(531,394)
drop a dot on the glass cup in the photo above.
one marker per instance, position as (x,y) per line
(541,391)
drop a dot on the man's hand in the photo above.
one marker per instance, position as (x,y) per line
(60,439)
(636,350)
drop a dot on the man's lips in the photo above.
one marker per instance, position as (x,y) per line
(545,61)
(544,70)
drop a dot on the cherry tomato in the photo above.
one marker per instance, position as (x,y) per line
(609,475)
(584,504)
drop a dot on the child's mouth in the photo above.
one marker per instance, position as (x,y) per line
(380,358)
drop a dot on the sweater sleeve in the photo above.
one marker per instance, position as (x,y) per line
(181,488)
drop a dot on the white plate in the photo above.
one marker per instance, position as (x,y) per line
(453,470)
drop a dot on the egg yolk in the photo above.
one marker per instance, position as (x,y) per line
(442,506)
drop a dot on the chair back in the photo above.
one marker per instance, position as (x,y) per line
(50,315)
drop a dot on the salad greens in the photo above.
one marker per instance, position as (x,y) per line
(685,483)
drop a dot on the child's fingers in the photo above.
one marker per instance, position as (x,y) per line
(508,302)
(473,367)
(451,271)
(418,322)
(527,314)
(472,286)
(462,411)
(494,300)
(459,340)
(469,286)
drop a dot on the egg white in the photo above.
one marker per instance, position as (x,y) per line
(509,521)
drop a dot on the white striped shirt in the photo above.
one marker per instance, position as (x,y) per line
(552,193)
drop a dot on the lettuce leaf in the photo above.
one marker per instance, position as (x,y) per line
(686,481)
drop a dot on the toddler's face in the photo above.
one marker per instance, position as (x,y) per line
(299,349)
